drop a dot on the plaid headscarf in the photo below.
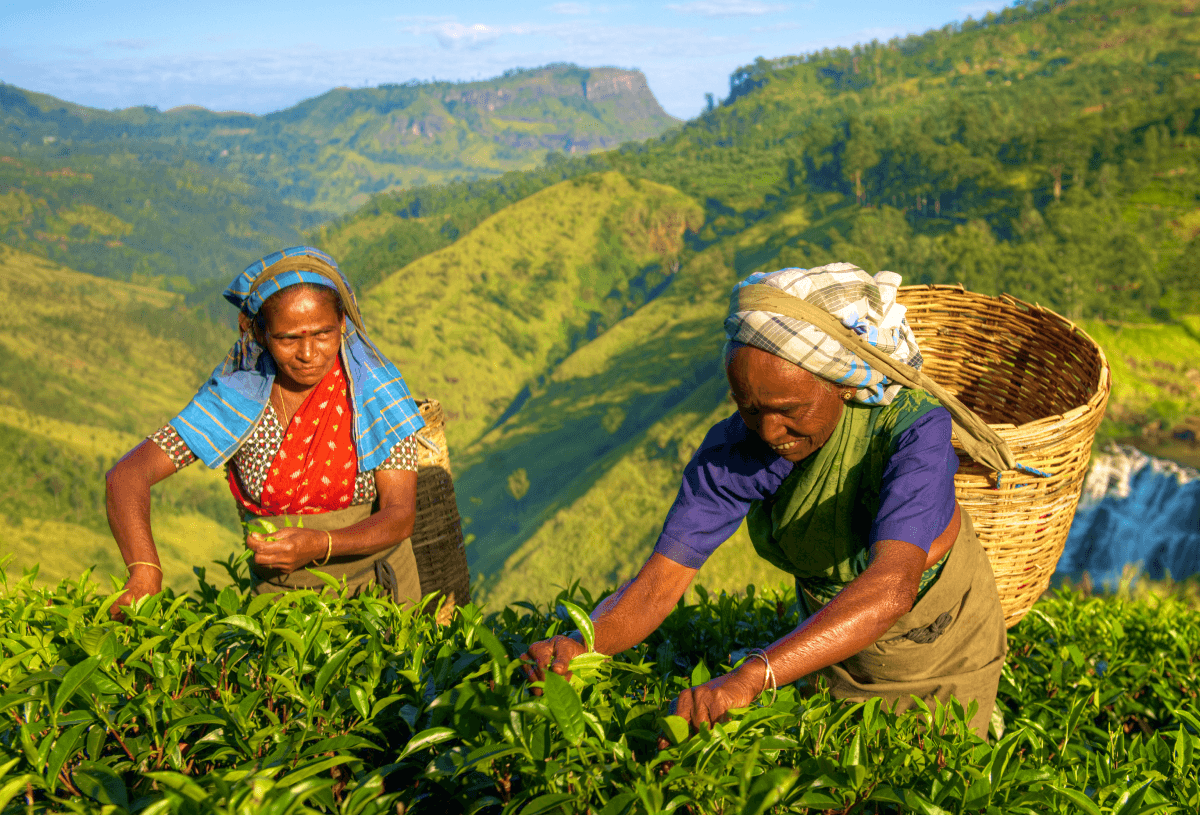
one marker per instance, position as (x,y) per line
(867,305)
(228,407)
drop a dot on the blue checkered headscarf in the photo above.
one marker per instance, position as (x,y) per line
(229,405)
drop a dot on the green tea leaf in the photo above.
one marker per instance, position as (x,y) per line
(179,783)
(315,768)
(74,678)
(361,703)
(565,707)
(1077,798)
(259,527)
(583,623)
(428,737)
(293,638)
(675,727)
(492,644)
(330,668)
(66,745)
(548,802)
(769,788)
(15,786)
(102,784)
(244,622)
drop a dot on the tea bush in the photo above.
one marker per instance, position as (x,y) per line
(228,702)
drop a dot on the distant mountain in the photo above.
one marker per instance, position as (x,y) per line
(163,220)
(331,152)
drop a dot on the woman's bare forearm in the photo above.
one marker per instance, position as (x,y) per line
(856,617)
(391,524)
(381,530)
(630,615)
(127,500)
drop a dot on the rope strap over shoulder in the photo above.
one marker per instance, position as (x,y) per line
(981,443)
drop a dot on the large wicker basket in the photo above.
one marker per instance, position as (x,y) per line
(437,534)
(1042,384)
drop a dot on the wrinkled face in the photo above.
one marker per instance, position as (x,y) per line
(791,409)
(304,334)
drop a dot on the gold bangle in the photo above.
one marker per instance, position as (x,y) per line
(144,564)
(328,551)
(769,677)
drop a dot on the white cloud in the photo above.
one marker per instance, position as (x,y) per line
(727,8)
(456,36)
(573,9)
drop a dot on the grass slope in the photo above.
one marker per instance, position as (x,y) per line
(604,439)
(89,367)
(161,219)
(478,322)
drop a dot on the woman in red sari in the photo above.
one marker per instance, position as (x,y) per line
(315,428)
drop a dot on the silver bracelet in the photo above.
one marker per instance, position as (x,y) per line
(769,677)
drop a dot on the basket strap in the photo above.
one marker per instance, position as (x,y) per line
(980,441)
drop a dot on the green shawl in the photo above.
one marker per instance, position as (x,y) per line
(818,523)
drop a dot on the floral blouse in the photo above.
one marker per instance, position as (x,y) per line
(254,457)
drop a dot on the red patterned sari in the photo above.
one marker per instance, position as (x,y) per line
(315,467)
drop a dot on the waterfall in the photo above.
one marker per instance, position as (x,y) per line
(1135,509)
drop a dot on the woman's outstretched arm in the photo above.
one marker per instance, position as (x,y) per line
(127,500)
(856,617)
(622,620)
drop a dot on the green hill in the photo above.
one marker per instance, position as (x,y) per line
(331,152)
(1049,151)
(89,367)
(164,220)
(569,316)
(477,323)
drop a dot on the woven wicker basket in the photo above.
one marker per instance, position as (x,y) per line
(437,534)
(1042,384)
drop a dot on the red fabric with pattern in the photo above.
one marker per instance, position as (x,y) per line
(316,465)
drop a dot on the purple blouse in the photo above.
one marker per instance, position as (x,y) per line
(734,467)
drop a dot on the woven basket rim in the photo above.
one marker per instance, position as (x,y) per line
(1100,390)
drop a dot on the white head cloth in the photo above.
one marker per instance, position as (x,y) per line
(863,303)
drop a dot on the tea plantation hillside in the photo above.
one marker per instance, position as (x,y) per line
(226,702)
(89,367)
(476,322)
(1049,151)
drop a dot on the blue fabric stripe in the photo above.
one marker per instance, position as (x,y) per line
(227,407)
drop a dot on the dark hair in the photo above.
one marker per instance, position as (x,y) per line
(267,310)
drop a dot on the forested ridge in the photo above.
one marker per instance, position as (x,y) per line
(330,152)
(976,153)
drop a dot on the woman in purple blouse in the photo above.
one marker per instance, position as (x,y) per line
(846,481)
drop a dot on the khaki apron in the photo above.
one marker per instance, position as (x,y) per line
(953,642)
(393,570)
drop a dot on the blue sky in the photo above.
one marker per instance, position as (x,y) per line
(264,56)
